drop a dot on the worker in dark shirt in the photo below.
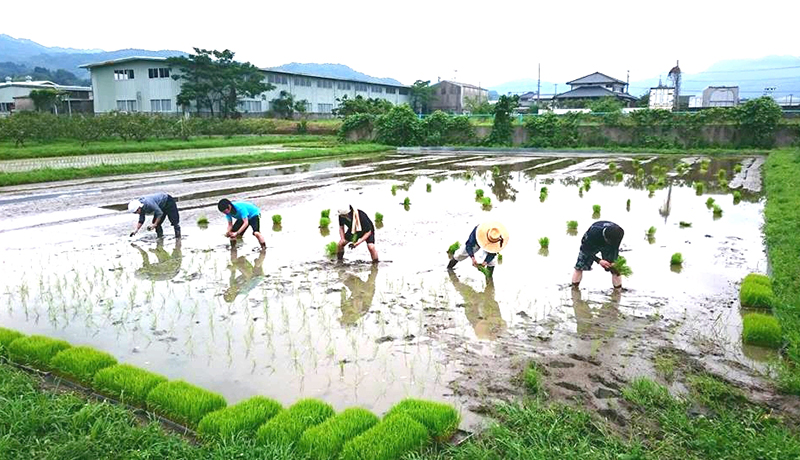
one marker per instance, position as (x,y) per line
(161,206)
(482,246)
(603,237)
(359,229)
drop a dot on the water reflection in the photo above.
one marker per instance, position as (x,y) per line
(482,310)
(361,293)
(501,186)
(250,275)
(598,323)
(166,268)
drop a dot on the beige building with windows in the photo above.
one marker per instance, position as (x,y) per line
(450,96)
(14,96)
(145,84)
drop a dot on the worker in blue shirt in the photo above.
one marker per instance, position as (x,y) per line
(482,246)
(603,237)
(161,206)
(240,215)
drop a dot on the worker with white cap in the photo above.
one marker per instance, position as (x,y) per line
(359,230)
(482,246)
(161,206)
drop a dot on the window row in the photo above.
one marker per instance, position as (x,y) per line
(126,105)
(249,106)
(161,72)
(278,79)
(299,81)
(325,84)
(161,105)
(123,74)
(6,106)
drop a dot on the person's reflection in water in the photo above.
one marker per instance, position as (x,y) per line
(251,275)
(166,268)
(482,310)
(595,324)
(361,294)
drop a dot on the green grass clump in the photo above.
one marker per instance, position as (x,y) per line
(326,440)
(127,383)
(648,394)
(9,335)
(182,402)
(651,231)
(621,267)
(737,168)
(618,176)
(676,259)
(287,427)
(479,194)
(572,224)
(596,208)
(388,440)
(453,248)
(332,248)
(544,242)
(532,377)
(756,292)
(81,363)
(325,213)
(486,202)
(428,187)
(684,224)
(407,201)
(710,202)
(762,330)
(440,419)
(36,350)
(394,190)
(699,188)
(717,210)
(242,418)
(276,219)
(202,221)
(378,218)
(324,222)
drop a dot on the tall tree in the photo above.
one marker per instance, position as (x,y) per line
(213,78)
(421,96)
(45,99)
(285,106)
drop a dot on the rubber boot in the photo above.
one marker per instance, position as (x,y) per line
(451,264)
(491,271)
(177,232)
(159,232)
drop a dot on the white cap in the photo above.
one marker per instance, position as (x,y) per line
(134,205)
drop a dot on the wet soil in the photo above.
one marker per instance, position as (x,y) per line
(291,322)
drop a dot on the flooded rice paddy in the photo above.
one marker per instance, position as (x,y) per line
(291,323)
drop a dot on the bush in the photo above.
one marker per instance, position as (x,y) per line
(440,419)
(756,292)
(676,259)
(324,222)
(360,124)
(182,402)
(326,440)
(129,384)
(36,350)
(400,127)
(453,248)
(243,418)
(758,119)
(276,219)
(287,427)
(8,335)
(762,330)
(388,440)
(81,363)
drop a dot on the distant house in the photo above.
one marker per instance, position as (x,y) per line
(662,97)
(596,86)
(451,96)
(531,99)
(15,96)
(721,96)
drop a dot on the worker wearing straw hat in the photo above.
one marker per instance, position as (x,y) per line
(482,246)
(161,206)
(359,230)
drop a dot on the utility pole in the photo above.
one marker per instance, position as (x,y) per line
(539,85)
(628,82)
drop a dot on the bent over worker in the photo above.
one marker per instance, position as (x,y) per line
(482,246)
(359,226)
(161,206)
(603,237)
(240,215)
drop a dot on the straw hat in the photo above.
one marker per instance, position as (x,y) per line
(492,236)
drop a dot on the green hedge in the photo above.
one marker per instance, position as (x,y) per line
(242,418)
(440,419)
(287,427)
(388,440)
(81,363)
(36,350)
(182,402)
(129,384)
(324,441)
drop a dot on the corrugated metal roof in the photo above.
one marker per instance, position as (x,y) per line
(591,91)
(595,78)
(465,85)
(43,84)
(122,60)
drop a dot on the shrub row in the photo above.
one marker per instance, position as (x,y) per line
(310,425)
(401,126)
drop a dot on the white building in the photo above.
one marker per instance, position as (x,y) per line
(14,94)
(661,97)
(721,96)
(145,84)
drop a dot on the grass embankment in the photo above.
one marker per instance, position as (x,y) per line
(58,174)
(711,151)
(782,216)
(68,147)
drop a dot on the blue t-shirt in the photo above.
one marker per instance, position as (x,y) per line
(243,210)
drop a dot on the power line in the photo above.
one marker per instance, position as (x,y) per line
(751,70)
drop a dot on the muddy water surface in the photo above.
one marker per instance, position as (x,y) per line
(291,322)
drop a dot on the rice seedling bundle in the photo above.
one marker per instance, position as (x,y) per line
(9,335)
(127,383)
(717,210)
(479,193)
(324,222)
(621,267)
(407,201)
(737,196)
(651,231)
(737,168)
(710,202)
(332,248)
(453,248)
(394,190)
(572,224)
(378,218)
(544,242)
(276,219)
(684,224)
(699,188)
(36,350)
(722,174)
(182,402)
(762,330)
(440,419)
(618,176)
(676,259)
(596,208)
(325,213)
(202,220)
(287,427)
(612,166)
(756,292)
(428,187)
(486,201)
(628,204)
(81,363)
(242,418)
(651,188)
(326,440)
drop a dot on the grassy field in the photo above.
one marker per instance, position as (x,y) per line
(59,174)
(67,147)
(782,220)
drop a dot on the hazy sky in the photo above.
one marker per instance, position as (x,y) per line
(479,42)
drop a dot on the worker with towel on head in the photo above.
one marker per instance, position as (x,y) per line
(161,206)
(359,229)
(482,246)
